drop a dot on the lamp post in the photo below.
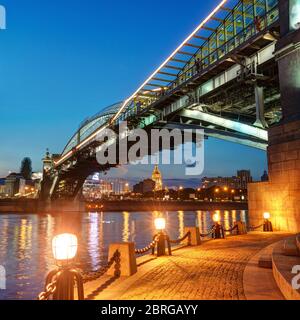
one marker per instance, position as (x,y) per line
(160,226)
(268,227)
(218,229)
(64,248)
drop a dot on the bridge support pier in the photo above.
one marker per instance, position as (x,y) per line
(280,196)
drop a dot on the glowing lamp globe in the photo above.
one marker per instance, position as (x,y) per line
(160,223)
(267,215)
(216,217)
(64,246)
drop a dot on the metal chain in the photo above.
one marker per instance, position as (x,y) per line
(230,230)
(147,248)
(50,289)
(91,276)
(181,239)
(257,227)
(203,235)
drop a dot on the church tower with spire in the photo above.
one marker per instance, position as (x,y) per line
(157,178)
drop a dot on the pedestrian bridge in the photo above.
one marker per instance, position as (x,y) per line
(222,78)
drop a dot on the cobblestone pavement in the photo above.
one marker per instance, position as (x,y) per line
(213,270)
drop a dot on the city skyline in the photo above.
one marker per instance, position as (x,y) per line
(60,88)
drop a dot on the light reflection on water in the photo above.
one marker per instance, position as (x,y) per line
(25,240)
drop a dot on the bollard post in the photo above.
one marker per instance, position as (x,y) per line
(218,232)
(68,280)
(127,265)
(195,239)
(241,227)
(268,227)
(161,245)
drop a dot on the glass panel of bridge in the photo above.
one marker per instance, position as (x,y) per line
(248,14)
(271,4)
(212,48)
(238,24)
(229,33)
(272,11)
(221,40)
(205,55)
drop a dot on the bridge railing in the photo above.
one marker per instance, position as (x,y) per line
(260,24)
(239,39)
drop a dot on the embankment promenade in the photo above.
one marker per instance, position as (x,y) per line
(224,269)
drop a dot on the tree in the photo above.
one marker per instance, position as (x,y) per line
(26,168)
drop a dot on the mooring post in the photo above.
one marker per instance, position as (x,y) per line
(194,238)
(127,265)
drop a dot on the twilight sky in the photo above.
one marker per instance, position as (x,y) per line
(62,61)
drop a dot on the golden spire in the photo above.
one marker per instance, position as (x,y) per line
(157,178)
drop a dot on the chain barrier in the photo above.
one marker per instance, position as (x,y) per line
(50,289)
(147,248)
(94,275)
(231,229)
(188,234)
(212,230)
(257,227)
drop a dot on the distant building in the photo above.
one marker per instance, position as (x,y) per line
(147,185)
(119,186)
(236,182)
(245,178)
(231,182)
(264,177)
(105,187)
(95,188)
(14,185)
(157,178)
(2,188)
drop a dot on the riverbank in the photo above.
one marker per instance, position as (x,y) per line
(19,206)
(35,206)
(154,205)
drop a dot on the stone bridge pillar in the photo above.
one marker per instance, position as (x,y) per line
(281,195)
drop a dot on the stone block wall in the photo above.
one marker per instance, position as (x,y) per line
(281,195)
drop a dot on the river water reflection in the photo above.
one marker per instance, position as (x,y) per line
(25,240)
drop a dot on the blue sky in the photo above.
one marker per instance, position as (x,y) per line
(62,61)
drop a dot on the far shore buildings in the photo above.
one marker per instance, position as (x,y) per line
(15,186)
(264,177)
(96,188)
(239,181)
(244,177)
(150,185)
(12,186)
(147,185)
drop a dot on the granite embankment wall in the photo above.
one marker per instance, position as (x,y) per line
(35,206)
